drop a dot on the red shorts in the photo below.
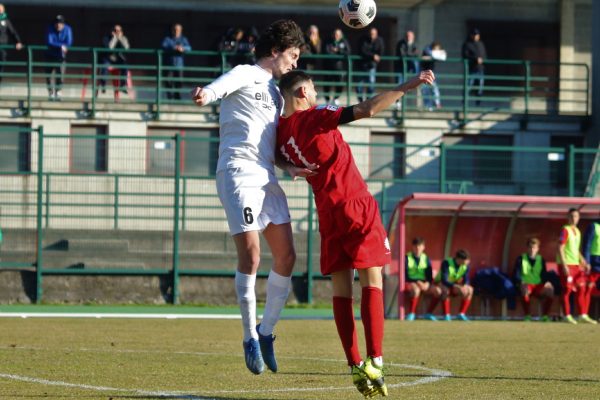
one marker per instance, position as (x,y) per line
(352,236)
(535,290)
(575,278)
(593,277)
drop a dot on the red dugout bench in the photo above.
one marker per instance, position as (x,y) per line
(494,228)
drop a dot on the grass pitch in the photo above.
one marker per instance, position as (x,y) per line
(202,359)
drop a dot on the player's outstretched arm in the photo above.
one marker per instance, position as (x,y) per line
(374,105)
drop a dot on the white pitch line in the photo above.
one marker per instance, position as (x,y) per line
(100,388)
(435,375)
(117,315)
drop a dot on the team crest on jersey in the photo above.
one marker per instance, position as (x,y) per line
(329,107)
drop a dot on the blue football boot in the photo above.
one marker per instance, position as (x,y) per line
(266,348)
(254,360)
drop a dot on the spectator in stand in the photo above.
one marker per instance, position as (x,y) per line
(530,276)
(370,49)
(230,43)
(591,253)
(117,41)
(431,93)
(175,46)
(406,48)
(246,46)
(572,268)
(453,280)
(313,46)
(59,38)
(8,35)
(338,46)
(419,278)
(474,51)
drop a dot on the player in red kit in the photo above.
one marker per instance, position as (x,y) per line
(352,234)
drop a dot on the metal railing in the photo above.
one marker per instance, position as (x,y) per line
(511,86)
(141,190)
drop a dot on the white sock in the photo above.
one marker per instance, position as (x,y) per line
(278,289)
(244,287)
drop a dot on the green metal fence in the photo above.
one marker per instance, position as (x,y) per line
(147,184)
(511,86)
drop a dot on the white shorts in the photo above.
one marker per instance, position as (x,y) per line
(252,199)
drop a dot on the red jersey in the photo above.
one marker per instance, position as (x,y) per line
(311,137)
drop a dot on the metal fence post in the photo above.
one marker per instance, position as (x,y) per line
(465,107)
(116,204)
(47,219)
(176,220)
(94,77)
(571,169)
(403,99)
(309,249)
(442,167)
(348,79)
(527,83)
(40,235)
(158,82)
(27,110)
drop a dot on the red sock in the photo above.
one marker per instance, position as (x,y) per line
(526,305)
(414,301)
(588,299)
(464,306)
(581,299)
(371,312)
(547,305)
(433,304)
(343,314)
(565,301)
(446,305)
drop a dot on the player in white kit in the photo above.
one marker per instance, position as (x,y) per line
(246,181)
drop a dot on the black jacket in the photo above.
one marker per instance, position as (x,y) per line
(8,32)
(403,49)
(367,50)
(471,50)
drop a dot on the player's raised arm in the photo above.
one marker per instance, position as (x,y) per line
(374,105)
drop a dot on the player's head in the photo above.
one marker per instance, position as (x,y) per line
(297,87)
(462,256)
(418,245)
(573,216)
(281,42)
(1,8)
(533,246)
(410,36)
(59,23)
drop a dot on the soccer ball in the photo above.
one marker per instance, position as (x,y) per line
(357,13)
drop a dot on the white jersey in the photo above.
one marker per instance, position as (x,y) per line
(250,108)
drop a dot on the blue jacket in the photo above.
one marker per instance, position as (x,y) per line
(55,40)
(173,57)
(493,282)
(588,238)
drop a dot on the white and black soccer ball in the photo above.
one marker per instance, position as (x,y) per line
(357,13)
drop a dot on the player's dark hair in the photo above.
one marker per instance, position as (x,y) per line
(280,36)
(533,241)
(418,240)
(291,79)
(572,209)
(463,254)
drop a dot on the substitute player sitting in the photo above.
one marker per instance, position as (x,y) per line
(352,234)
(419,279)
(530,276)
(453,280)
